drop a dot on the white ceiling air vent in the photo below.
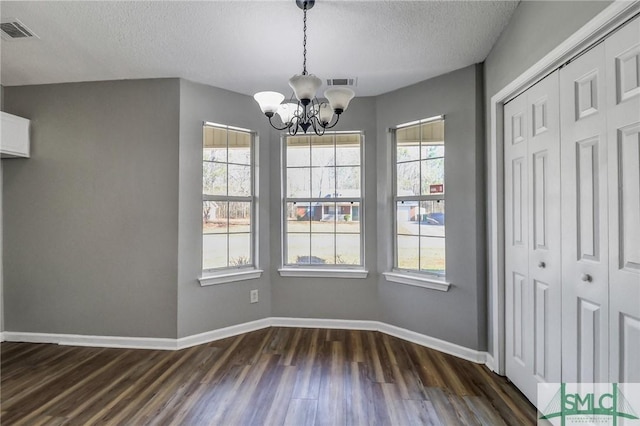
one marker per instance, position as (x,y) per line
(342,82)
(12,29)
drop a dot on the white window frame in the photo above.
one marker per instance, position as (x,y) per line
(323,270)
(412,277)
(212,276)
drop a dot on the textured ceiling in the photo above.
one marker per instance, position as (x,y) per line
(248,46)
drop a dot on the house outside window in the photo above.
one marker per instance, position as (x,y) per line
(323,200)
(419,197)
(228,205)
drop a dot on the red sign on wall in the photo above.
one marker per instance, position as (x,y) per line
(436,189)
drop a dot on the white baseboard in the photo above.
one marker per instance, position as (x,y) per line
(434,343)
(324,323)
(490,363)
(223,333)
(1,336)
(97,341)
(401,333)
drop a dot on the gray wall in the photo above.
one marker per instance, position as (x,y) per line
(1,227)
(208,308)
(330,297)
(90,220)
(458,315)
(535,29)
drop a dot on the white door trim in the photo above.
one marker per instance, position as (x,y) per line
(606,21)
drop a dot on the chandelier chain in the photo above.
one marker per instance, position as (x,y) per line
(304,42)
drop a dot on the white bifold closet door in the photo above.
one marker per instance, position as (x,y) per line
(532,237)
(600,114)
(585,257)
(623,136)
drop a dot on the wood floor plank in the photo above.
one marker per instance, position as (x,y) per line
(272,376)
(358,394)
(301,412)
(280,404)
(421,412)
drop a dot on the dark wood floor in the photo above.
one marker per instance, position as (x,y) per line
(273,376)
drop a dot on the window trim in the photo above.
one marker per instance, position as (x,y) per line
(229,276)
(226,274)
(418,279)
(321,270)
(401,275)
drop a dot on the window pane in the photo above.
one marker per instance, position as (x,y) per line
(299,217)
(433,131)
(407,150)
(239,249)
(214,217)
(322,249)
(348,182)
(214,144)
(239,180)
(298,249)
(408,252)
(298,183)
(432,218)
(348,249)
(214,178)
(348,149)
(432,255)
(431,151)
(214,251)
(408,178)
(323,183)
(323,217)
(433,176)
(322,151)
(348,217)
(239,147)
(407,218)
(239,217)
(298,151)
(408,135)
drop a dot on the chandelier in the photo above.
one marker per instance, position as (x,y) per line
(308,111)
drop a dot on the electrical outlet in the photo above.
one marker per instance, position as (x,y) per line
(254,296)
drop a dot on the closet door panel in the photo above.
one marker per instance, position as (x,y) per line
(544,227)
(585,259)
(623,122)
(518,313)
(532,246)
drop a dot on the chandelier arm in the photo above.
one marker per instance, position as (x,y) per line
(278,128)
(334,124)
(316,123)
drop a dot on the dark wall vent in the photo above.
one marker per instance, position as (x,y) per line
(12,29)
(342,82)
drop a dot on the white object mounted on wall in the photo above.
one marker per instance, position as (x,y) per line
(14,138)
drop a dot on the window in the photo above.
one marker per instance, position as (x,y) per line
(227,198)
(419,197)
(323,200)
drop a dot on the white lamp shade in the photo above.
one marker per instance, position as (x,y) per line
(305,86)
(339,97)
(326,113)
(287,112)
(269,101)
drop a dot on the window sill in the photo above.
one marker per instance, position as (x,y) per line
(323,273)
(229,277)
(432,282)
